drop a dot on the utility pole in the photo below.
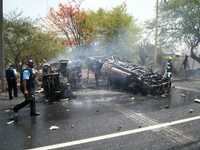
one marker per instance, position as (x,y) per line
(156,36)
(2,61)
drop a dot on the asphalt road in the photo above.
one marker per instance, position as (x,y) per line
(97,119)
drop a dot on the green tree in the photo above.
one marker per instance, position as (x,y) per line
(180,22)
(116,30)
(16,37)
(111,22)
(23,40)
(45,45)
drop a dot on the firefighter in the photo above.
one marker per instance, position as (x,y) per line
(168,76)
(11,77)
(168,69)
(27,86)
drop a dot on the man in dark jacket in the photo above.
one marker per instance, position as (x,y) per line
(27,86)
(11,81)
(186,65)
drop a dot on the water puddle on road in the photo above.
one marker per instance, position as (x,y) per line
(180,97)
(89,98)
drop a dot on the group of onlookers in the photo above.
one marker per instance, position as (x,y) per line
(27,86)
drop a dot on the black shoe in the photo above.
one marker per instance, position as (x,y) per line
(35,114)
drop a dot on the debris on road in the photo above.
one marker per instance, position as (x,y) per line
(163,95)
(166,106)
(183,95)
(65,99)
(29,137)
(10,122)
(7,110)
(119,128)
(191,111)
(72,126)
(97,110)
(54,128)
(197,100)
(68,110)
(132,98)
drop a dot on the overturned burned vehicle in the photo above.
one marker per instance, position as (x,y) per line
(58,79)
(125,75)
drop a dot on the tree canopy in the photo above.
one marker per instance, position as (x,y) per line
(69,19)
(23,40)
(115,30)
(180,21)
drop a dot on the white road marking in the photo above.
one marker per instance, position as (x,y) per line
(118,134)
(172,134)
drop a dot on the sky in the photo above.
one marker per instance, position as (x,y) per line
(141,9)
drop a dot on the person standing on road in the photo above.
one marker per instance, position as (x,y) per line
(185,65)
(11,77)
(168,69)
(27,86)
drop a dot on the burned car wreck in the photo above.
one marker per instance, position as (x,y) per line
(58,79)
(125,75)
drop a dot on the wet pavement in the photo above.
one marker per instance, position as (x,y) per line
(99,112)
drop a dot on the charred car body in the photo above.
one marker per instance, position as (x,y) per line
(56,80)
(134,78)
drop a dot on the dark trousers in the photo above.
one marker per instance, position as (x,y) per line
(97,79)
(29,99)
(12,86)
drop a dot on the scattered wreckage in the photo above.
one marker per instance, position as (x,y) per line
(123,74)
